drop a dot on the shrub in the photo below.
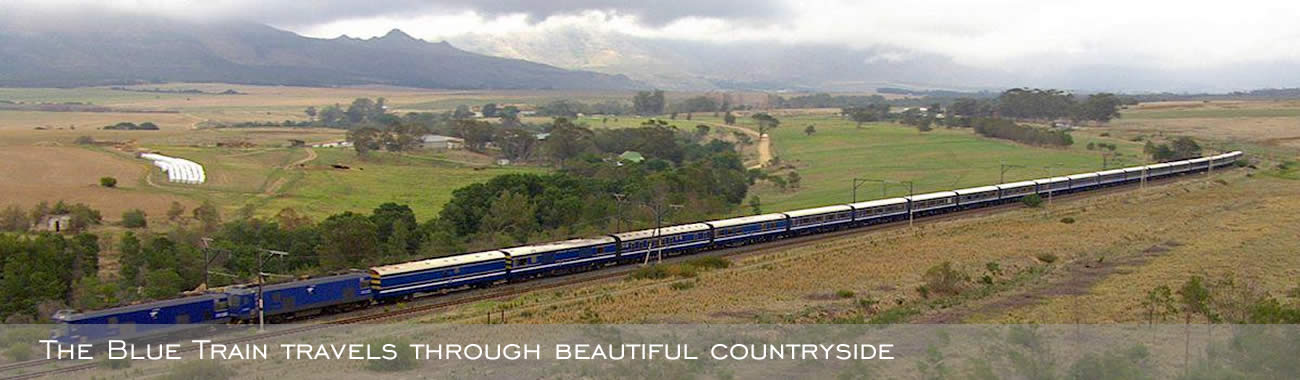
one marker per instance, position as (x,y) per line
(1067,220)
(84,140)
(944,279)
(682,285)
(709,262)
(134,218)
(19,352)
(108,181)
(405,359)
(1046,258)
(1105,134)
(1032,200)
(653,272)
(116,363)
(843,293)
(200,369)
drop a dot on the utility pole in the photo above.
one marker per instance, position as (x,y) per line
(883,184)
(659,209)
(261,281)
(211,255)
(1002,176)
(618,204)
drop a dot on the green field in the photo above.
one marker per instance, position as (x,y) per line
(423,182)
(943,159)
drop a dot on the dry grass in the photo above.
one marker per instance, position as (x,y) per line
(1249,214)
(31,174)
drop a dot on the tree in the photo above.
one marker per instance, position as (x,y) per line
(477,133)
(208,216)
(108,182)
(567,140)
(361,110)
(1195,299)
(489,110)
(462,112)
(793,179)
(810,130)
(175,211)
(512,215)
(311,112)
(364,139)
(290,220)
(516,143)
(701,130)
(1185,148)
(729,119)
(1159,303)
(755,205)
(387,218)
(765,122)
(509,116)
(1100,107)
(649,102)
(131,257)
(134,218)
(13,218)
(860,115)
(347,239)
(162,283)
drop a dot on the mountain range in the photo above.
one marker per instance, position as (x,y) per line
(119,49)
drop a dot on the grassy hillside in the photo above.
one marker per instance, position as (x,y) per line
(943,159)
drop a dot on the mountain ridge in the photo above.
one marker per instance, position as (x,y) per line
(135,50)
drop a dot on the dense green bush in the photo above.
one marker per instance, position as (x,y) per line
(134,218)
(108,181)
(1032,200)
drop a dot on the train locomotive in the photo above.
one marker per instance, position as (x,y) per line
(389,283)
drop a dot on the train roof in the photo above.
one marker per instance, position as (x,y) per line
(1159,166)
(1051,180)
(72,315)
(1202,159)
(973,190)
(1110,172)
(247,288)
(1016,184)
(929,196)
(557,245)
(1081,176)
(879,202)
(668,230)
(746,220)
(1134,169)
(441,262)
(818,210)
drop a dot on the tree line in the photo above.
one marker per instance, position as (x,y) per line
(1007,129)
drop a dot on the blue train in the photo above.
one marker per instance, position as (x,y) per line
(389,283)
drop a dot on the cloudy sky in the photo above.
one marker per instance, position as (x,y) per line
(1005,34)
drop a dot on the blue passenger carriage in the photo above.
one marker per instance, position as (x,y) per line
(1011,192)
(289,300)
(561,256)
(932,203)
(976,196)
(736,231)
(671,240)
(1054,185)
(435,275)
(1083,181)
(820,218)
(1111,177)
(140,320)
(879,211)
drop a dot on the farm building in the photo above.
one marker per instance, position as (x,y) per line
(441,142)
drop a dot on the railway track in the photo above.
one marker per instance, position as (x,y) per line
(612,272)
